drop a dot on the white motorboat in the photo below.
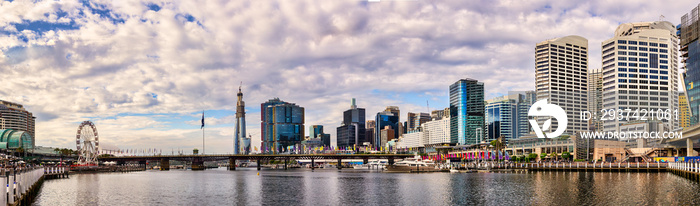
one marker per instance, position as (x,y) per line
(415,164)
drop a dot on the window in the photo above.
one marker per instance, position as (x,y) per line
(621,69)
(642,43)
(654,50)
(622,75)
(643,60)
(621,41)
(633,53)
(632,42)
(621,53)
(632,59)
(632,64)
(643,54)
(644,65)
(632,75)
(621,47)
(622,58)
(643,71)
(663,45)
(621,64)
(633,70)
(664,61)
(663,50)
(664,72)
(663,56)
(632,48)
(654,71)
(653,44)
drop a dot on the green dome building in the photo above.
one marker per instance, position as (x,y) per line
(13,139)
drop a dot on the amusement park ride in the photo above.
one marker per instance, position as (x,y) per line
(88,144)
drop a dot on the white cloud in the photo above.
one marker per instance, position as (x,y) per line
(318,54)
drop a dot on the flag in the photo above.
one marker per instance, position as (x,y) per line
(202,120)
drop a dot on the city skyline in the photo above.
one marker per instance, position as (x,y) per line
(157,66)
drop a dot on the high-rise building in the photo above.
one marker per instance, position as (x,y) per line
(387,134)
(690,52)
(507,115)
(382,120)
(683,111)
(466,111)
(415,120)
(370,131)
(640,71)
(439,114)
(352,131)
(315,131)
(438,131)
(561,77)
(595,99)
(240,143)
(14,116)
(282,125)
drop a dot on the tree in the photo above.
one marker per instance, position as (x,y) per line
(543,155)
(532,156)
(565,155)
(554,155)
(498,145)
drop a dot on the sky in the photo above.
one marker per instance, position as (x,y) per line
(143,71)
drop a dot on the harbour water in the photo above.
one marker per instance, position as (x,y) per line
(330,187)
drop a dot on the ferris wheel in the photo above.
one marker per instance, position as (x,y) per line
(88,143)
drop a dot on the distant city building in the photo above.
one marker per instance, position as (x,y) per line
(387,134)
(466,111)
(382,120)
(507,115)
(688,33)
(15,139)
(561,75)
(14,116)
(439,114)
(415,120)
(683,111)
(399,129)
(352,131)
(595,99)
(312,142)
(640,70)
(315,130)
(282,125)
(413,139)
(369,131)
(241,143)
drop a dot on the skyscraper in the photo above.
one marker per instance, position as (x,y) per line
(240,144)
(466,111)
(14,116)
(683,111)
(352,131)
(282,125)
(415,120)
(369,131)
(507,115)
(595,99)
(382,120)
(640,70)
(561,77)
(315,130)
(690,51)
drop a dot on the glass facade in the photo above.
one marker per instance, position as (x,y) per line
(382,120)
(13,139)
(466,111)
(692,79)
(282,125)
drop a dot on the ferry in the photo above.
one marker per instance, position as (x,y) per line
(415,164)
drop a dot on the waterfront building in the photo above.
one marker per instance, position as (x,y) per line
(415,120)
(640,70)
(466,111)
(561,77)
(413,140)
(438,131)
(282,125)
(352,130)
(15,139)
(14,116)
(312,142)
(241,143)
(382,120)
(683,110)
(688,33)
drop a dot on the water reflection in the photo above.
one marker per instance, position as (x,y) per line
(330,187)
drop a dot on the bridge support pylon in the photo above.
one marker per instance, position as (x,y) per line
(198,164)
(259,165)
(144,164)
(164,164)
(340,164)
(285,163)
(231,164)
(312,164)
